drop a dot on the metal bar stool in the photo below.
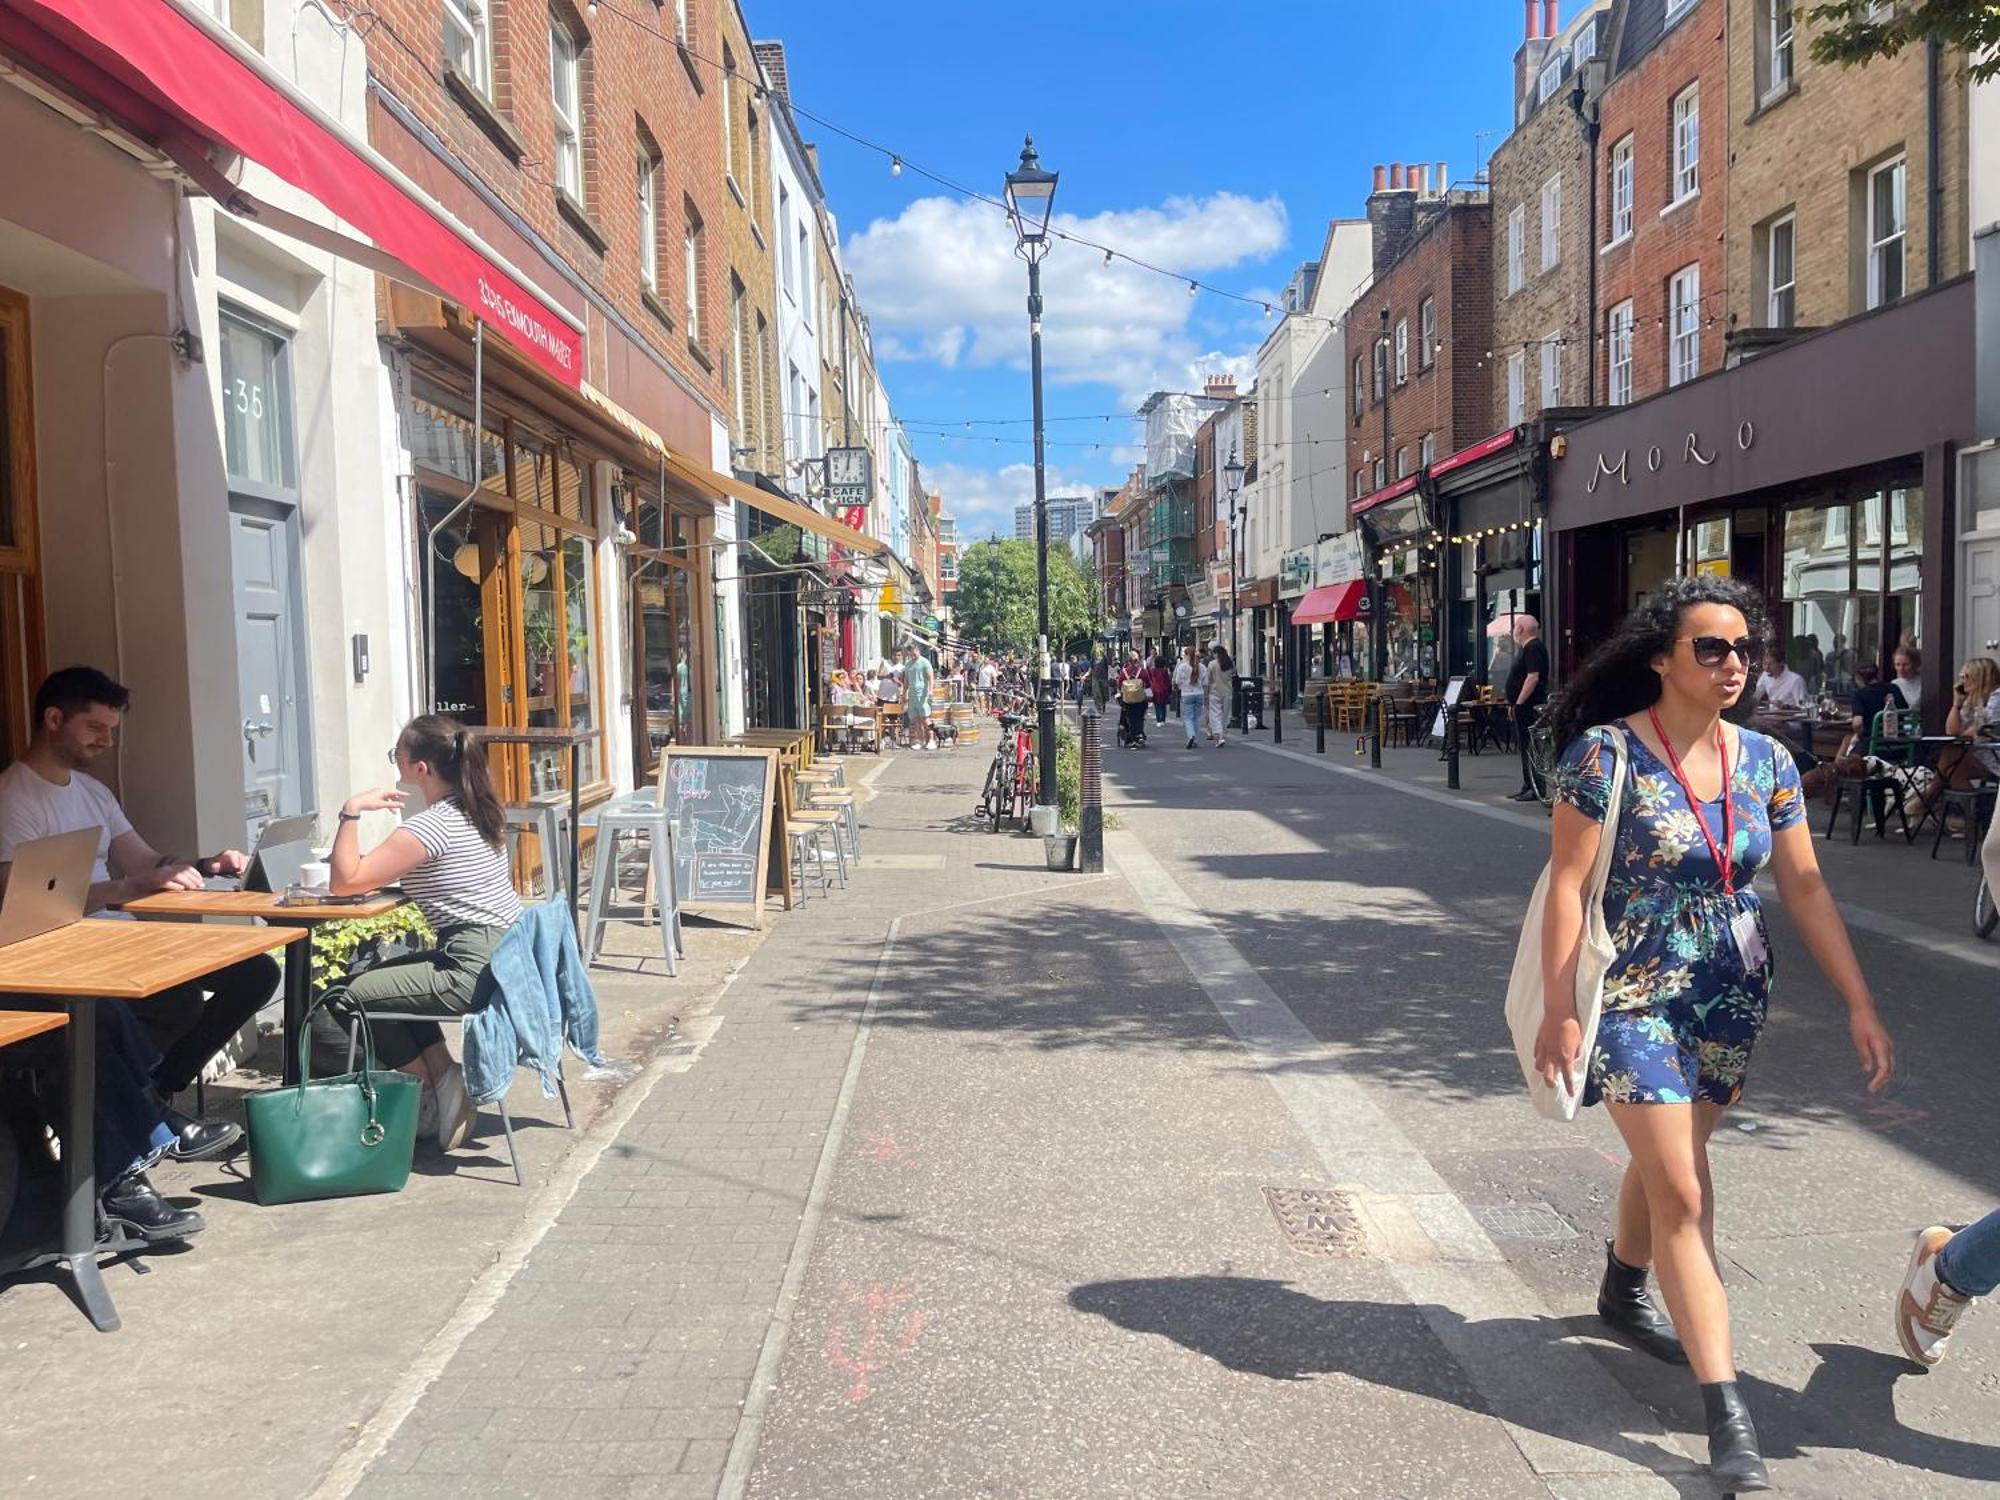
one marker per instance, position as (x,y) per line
(548,821)
(643,816)
(804,835)
(819,794)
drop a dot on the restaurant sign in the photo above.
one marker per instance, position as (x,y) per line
(1295,572)
(1338,559)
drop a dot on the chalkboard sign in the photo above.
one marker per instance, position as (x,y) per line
(1453,692)
(719,801)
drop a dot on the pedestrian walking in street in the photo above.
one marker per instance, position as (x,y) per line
(1220,669)
(1527,690)
(1708,805)
(1190,684)
(917,691)
(1162,684)
(1946,1274)
(1134,692)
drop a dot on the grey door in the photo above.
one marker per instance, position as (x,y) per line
(1979,585)
(269,660)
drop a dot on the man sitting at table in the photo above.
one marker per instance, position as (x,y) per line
(1781,691)
(49,791)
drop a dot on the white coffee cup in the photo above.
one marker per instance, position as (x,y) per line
(316,873)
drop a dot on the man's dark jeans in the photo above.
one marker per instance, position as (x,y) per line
(189,1030)
(1525,716)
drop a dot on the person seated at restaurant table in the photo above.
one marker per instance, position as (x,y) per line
(1975,705)
(451,860)
(49,791)
(1781,690)
(1909,664)
(1871,696)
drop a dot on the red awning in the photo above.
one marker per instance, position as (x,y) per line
(1382,497)
(167,78)
(1498,443)
(1331,602)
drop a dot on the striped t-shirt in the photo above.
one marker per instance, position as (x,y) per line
(465,880)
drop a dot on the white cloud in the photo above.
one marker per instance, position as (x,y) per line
(941,281)
(983,500)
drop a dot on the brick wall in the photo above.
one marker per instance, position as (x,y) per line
(1806,151)
(1639,103)
(1553,304)
(632,79)
(1451,397)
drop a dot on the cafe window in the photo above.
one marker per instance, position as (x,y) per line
(256,404)
(1853,569)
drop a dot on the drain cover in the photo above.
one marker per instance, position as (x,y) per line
(1316,1221)
(1523,1221)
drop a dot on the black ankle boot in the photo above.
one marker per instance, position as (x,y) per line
(1733,1456)
(1623,1303)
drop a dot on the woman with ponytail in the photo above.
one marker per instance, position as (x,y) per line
(1705,807)
(451,860)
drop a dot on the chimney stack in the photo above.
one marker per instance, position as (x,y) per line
(1392,213)
(1533,31)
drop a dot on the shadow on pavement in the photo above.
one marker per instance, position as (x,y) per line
(1266,1328)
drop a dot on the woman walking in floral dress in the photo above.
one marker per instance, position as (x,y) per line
(1706,806)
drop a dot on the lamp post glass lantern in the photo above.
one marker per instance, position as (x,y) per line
(1031,199)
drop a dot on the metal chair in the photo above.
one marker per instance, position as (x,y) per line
(1974,805)
(506,1120)
(640,815)
(820,795)
(802,836)
(547,820)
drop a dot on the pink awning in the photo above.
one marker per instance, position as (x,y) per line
(1330,602)
(161,74)
(1382,497)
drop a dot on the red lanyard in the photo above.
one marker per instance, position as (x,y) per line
(1726,865)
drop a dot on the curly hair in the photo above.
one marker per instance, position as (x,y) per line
(1617,679)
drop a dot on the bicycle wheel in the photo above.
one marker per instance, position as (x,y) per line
(1024,790)
(1003,784)
(1985,914)
(1542,762)
(989,793)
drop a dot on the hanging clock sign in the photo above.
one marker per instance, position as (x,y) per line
(850,476)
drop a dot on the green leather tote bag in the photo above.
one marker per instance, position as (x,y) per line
(333,1137)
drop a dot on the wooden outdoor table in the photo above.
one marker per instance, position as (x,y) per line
(572,739)
(265,904)
(95,961)
(19,1025)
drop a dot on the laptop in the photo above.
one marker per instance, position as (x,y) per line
(48,884)
(284,845)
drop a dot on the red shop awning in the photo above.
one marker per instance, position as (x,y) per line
(177,84)
(1332,601)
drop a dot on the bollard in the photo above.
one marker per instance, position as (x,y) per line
(1090,812)
(1278,713)
(1451,746)
(1375,738)
(1319,733)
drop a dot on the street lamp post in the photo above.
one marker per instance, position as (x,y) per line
(1031,197)
(1232,478)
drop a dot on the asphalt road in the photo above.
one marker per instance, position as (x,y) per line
(1051,1260)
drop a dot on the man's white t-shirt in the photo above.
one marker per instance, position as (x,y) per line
(33,807)
(986,674)
(1786,690)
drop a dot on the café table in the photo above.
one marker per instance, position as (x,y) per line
(100,961)
(572,740)
(269,905)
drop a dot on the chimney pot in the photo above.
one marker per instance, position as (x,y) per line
(1410,179)
(1381,178)
(1444,180)
(1395,177)
(1533,20)
(1549,27)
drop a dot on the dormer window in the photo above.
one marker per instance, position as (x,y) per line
(1552,77)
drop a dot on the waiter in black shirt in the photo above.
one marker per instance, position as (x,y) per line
(1527,691)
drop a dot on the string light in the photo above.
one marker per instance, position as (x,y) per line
(895,166)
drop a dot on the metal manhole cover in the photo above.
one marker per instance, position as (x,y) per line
(1523,1221)
(1316,1221)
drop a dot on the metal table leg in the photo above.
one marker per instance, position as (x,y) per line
(298,998)
(79,1214)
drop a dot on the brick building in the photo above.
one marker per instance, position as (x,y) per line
(1663,153)
(1543,257)
(1420,383)
(1832,206)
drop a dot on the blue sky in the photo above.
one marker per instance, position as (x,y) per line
(1216,138)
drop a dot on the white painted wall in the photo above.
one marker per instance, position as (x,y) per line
(1321,480)
(798,316)
(1984,110)
(725,565)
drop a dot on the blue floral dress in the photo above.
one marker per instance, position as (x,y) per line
(1682,1010)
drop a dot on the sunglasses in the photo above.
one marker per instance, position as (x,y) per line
(1713,650)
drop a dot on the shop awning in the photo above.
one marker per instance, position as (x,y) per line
(1331,602)
(190,88)
(777,507)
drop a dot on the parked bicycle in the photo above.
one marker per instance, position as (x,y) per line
(1011,778)
(1542,760)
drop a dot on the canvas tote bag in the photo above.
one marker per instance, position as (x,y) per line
(1593,959)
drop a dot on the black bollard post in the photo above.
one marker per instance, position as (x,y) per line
(1278,713)
(1091,810)
(1375,738)
(1451,746)
(1319,732)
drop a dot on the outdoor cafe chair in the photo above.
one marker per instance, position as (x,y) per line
(639,815)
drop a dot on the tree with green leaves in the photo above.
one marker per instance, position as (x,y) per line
(1851,32)
(996,605)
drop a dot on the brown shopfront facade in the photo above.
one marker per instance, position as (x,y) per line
(1821,473)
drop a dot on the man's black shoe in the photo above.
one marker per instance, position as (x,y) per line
(1524,795)
(135,1206)
(200,1140)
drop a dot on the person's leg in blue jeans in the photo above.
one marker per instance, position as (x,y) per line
(1946,1273)
(1191,711)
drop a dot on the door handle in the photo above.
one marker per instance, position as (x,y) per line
(258,728)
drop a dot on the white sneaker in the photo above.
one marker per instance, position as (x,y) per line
(427,1116)
(1926,1308)
(454,1108)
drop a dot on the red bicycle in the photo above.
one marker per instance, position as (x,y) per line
(1010,780)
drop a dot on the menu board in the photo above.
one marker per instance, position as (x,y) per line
(719,802)
(1453,692)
